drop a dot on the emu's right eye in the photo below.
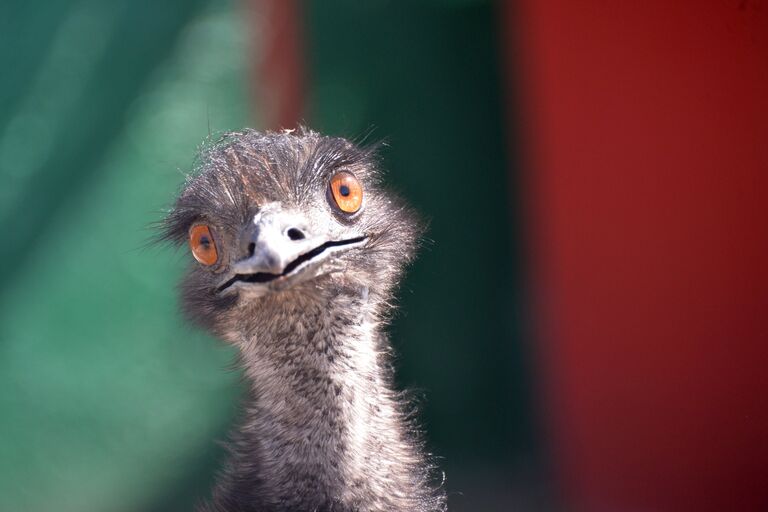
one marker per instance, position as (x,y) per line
(202,244)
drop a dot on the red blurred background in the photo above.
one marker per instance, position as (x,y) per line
(646,191)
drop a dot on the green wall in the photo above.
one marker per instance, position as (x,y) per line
(425,75)
(108,401)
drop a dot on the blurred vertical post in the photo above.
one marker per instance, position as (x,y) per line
(277,61)
(647,189)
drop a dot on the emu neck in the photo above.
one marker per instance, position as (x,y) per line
(317,386)
(323,429)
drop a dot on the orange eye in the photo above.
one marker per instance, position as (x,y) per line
(347,192)
(202,244)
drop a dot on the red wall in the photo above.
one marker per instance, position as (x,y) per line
(277,62)
(647,128)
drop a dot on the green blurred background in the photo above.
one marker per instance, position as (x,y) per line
(108,400)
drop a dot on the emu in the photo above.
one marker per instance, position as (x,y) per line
(297,251)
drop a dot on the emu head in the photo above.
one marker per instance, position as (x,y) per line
(272,218)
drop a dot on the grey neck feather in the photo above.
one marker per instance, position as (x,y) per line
(323,429)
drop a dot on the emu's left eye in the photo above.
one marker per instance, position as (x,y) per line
(202,245)
(347,192)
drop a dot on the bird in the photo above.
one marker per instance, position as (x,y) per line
(297,248)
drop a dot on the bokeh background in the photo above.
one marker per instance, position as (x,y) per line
(587,322)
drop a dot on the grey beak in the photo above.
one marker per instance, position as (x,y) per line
(274,239)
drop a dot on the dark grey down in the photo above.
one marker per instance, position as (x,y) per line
(322,427)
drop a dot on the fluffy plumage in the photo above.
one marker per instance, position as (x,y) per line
(322,428)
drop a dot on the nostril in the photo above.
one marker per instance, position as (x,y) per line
(251,249)
(296,234)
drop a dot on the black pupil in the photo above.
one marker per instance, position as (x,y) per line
(344,190)
(204,241)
